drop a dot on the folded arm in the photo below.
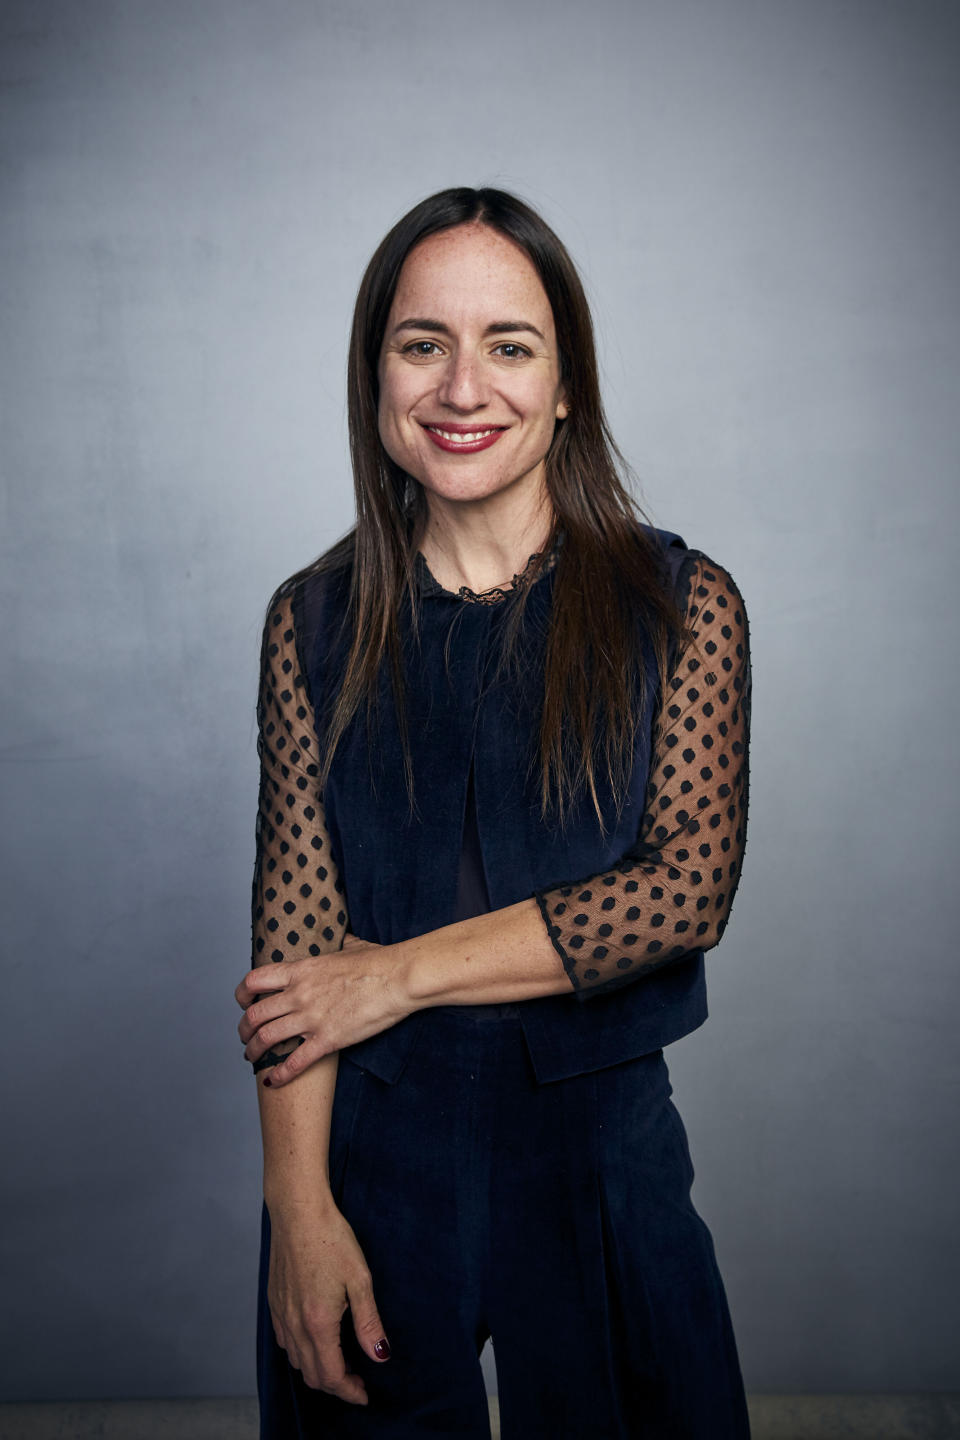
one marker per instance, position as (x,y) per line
(672,892)
(669,894)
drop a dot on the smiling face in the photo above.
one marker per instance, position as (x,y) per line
(469,372)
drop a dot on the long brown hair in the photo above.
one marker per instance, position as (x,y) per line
(608,573)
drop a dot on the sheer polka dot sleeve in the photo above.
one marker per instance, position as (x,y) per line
(298,906)
(671,893)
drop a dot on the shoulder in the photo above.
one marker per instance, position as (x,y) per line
(715,620)
(705,586)
(316,594)
(694,576)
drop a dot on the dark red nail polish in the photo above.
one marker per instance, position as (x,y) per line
(382,1348)
(268,1081)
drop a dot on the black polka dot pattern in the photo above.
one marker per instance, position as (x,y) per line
(298,906)
(672,892)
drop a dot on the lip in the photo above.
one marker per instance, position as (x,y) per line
(488,435)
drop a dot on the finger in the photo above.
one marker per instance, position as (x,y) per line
(297,1061)
(243,995)
(349,1387)
(286,1339)
(280,1334)
(274,976)
(367,1325)
(321,1362)
(325,1367)
(267,1007)
(264,1039)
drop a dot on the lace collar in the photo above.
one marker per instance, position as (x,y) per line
(531,572)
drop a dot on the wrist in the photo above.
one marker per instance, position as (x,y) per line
(416,979)
(288,1208)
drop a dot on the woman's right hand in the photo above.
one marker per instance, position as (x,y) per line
(317,1271)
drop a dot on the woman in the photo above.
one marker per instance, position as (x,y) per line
(503,734)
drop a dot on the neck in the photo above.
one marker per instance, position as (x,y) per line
(484,543)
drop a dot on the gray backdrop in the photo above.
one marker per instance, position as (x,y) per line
(763,198)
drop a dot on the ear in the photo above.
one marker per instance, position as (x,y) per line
(563,407)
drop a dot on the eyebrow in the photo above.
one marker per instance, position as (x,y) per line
(498,327)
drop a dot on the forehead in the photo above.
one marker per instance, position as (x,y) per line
(470,269)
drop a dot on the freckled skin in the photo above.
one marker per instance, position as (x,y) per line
(468,279)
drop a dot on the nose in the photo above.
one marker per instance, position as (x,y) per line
(464,385)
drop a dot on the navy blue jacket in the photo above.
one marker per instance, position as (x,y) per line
(630,911)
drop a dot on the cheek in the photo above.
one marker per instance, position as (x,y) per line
(542,403)
(396,434)
(396,399)
(383,411)
(389,410)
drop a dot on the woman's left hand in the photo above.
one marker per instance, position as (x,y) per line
(332,1000)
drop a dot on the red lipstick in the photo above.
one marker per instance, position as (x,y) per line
(464,439)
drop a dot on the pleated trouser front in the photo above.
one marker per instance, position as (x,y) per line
(555,1218)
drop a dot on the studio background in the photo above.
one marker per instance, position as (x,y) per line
(762,198)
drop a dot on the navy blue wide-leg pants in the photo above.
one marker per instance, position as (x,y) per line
(555,1218)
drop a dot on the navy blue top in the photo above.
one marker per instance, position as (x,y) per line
(630,910)
(472,896)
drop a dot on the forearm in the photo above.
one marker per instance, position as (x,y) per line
(505,955)
(295,1124)
(340,999)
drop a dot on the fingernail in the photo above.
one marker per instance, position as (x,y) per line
(268,1081)
(382,1348)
